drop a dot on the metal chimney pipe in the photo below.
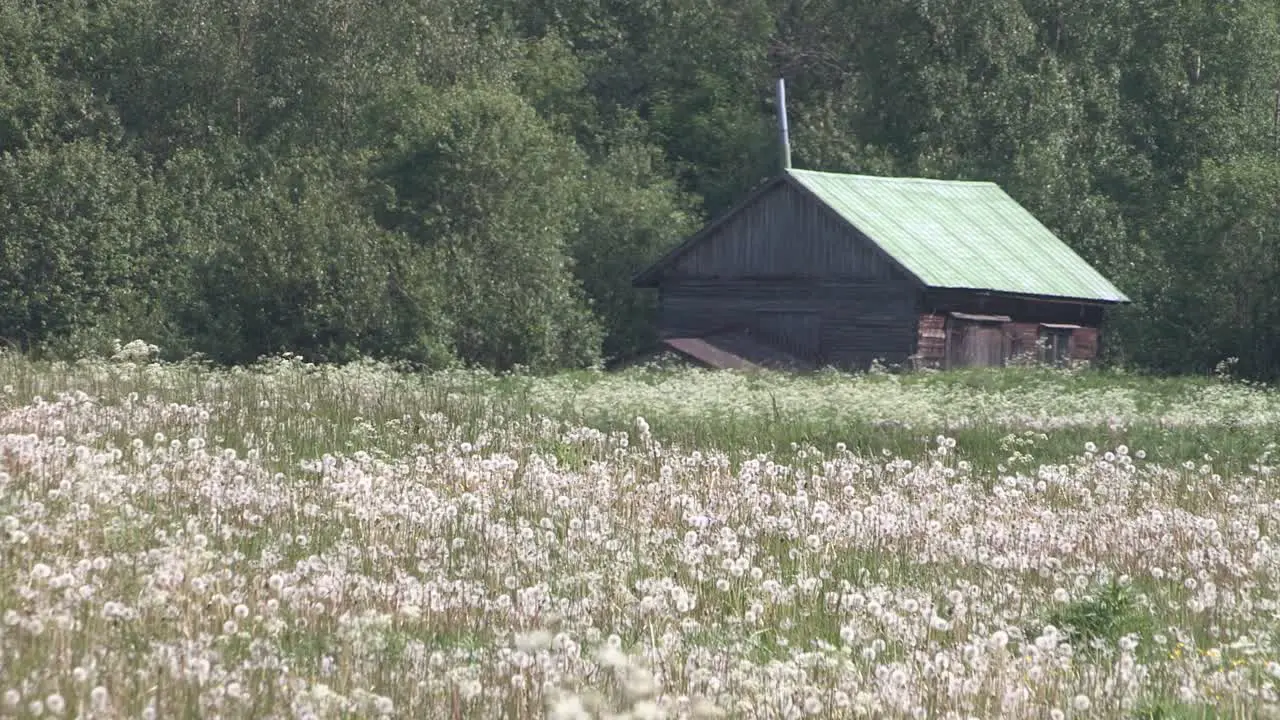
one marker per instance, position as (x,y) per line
(783,131)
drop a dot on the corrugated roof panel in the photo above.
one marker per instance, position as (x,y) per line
(958,234)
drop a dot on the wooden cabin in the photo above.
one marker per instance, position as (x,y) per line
(821,269)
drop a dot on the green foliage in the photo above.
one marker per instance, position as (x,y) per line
(442,180)
(1170,710)
(484,188)
(290,261)
(630,214)
(1108,615)
(1224,270)
(76,232)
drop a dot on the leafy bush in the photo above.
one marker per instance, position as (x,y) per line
(78,233)
(1108,615)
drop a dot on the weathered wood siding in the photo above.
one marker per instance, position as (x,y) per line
(939,334)
(1027,317)
(1024,338)
(846,324)
(1084,343)
(797,332)
(854,345)
(931,340)
(784,233)
(790,271)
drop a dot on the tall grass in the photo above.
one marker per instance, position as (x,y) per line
(1180,418)
(293,540)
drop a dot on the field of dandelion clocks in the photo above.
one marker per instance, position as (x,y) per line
(297,541)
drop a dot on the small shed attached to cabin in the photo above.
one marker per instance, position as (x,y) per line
(840,270)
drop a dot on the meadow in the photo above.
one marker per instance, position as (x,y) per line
(297,541)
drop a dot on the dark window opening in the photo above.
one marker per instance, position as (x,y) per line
(1055,344)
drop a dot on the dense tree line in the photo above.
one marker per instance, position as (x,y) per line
(475,181)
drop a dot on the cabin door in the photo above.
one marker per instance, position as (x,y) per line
(976,343)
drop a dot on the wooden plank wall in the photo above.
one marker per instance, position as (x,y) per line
(854,346)
(797,333)
(1084,344)
(850,323)
(931,341)
(1022,341)
(788,269)
(785,233)
(1028,314)
(705,305)
(844,324)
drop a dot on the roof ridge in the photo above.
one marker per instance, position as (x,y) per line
(892,178)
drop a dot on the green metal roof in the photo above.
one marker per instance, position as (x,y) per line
(957,234)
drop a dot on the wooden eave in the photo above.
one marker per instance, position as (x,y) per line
(1062,299)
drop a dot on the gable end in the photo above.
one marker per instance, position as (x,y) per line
(782,231)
